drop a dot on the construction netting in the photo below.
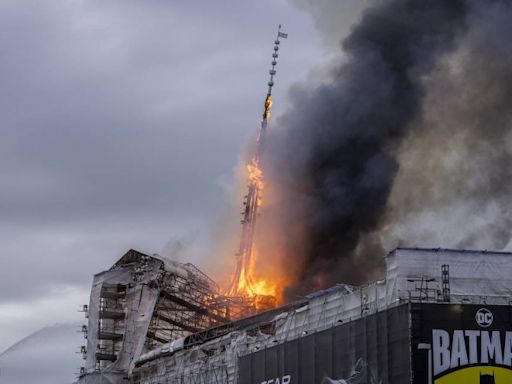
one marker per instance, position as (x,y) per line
(371,350)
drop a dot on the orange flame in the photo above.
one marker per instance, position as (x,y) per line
(257,277)
(256,177)
(264,291)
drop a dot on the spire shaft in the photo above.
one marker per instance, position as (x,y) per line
(243,282)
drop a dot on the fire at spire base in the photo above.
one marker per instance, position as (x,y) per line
(243,283)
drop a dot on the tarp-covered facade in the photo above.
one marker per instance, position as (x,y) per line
(367,334)
(458,344)
(373,350)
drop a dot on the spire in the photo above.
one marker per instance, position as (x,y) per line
(243,283)
(272,71)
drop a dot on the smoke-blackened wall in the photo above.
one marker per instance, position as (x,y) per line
(333,157)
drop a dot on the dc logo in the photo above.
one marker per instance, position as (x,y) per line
(484,317)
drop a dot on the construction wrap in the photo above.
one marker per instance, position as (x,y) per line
(102,378)
(371,350)
(140,305)
(137,307)
(472,274)
(94,309)
(437,316)
(93,316)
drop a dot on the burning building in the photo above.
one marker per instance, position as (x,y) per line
(435,316)
(348,315)
(144,302)
(141,303)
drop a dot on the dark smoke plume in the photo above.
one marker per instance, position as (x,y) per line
(454,186)
(333,157)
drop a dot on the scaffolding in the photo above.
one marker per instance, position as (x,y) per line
(143,302)
(110,323)
(186,305)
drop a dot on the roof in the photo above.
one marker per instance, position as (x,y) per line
(449,250)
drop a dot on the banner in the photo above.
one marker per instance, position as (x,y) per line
(372,350)
(469,344)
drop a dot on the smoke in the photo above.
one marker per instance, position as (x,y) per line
(177,247)
(334,161)
(454,185)
(334,18)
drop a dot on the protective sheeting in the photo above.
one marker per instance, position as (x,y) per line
(343,334)
(118,321)
(412,275)
(215,362)
(115,277)
(93,315)
(102,378)
(333,307)
(474,276)
(140,305)
(164,350)
(143,302)
(371,350)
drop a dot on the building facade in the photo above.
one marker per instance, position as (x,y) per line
(436,316)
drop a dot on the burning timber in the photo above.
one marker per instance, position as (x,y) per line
(435,316)
(243,283)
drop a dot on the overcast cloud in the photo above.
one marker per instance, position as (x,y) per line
(120,122)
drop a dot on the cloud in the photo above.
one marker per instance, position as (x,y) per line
(118,119)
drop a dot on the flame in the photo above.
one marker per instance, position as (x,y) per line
(249,284)
(255,175)
(264,288)
(259,280)
(259,286)
(268,106)
(254,278)
(265,292)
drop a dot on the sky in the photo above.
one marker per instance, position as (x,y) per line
(121,123)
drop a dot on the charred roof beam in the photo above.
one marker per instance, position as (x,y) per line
(193,307)
(178,324)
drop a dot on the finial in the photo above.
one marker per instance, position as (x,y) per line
(275,55)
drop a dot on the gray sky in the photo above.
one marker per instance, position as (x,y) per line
(120,124)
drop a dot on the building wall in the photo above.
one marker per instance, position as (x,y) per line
(358,335)
(372,350)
